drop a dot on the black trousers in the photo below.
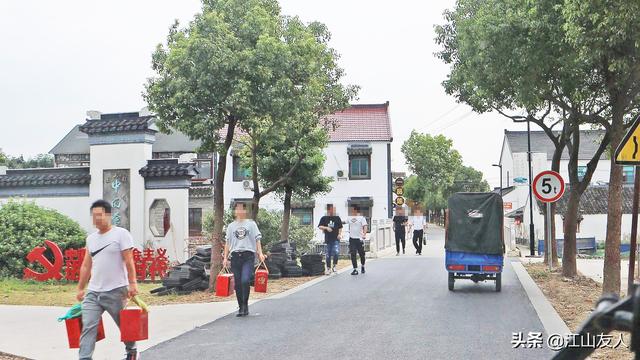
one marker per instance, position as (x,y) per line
(356,246)
(242,263)
(417,240)
(400,236)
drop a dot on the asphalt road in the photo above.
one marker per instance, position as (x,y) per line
(400,309)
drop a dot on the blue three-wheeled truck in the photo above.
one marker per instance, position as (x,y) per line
(474,243)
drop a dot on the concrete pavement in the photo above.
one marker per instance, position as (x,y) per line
(400,309)
(33,332)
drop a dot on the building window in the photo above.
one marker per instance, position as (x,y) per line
(195,222)
(304,214)
(582,171)
(627,174)
(359,167)
(240,173)
(204,168)
(160,217)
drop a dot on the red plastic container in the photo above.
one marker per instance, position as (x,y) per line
(262,278)
(134,325)
(74,329)
(225,285)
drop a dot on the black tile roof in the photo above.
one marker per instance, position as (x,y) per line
(540,143)
(595,200)
(45,177)
(168,168)
(118,123)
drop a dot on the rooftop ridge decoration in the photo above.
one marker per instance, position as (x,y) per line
(168,168)
(45,177)
(115,123)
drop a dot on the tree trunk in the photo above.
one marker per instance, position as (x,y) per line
(555,166)
(569,267)
(286,217)
(218,208)
(611,283)
(255,204)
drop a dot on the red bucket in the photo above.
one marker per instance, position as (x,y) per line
(262,278)
(225,283)
(74,329)
(134,322)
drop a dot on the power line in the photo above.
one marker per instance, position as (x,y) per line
(454,122)
(442,116)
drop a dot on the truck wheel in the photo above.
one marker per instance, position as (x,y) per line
(451,281)
(498,282)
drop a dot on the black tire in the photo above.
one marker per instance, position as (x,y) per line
(452,281)
(157,290)
(498,282)
(166,292)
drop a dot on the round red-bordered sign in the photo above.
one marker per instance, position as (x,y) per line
(548,186)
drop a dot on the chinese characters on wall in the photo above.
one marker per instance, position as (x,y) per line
(115,189)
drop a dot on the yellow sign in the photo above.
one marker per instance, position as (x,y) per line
(399,191)
(628,152)
(399,201)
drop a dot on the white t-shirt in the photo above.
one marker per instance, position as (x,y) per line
(418,222)
(108,270)
(356,223)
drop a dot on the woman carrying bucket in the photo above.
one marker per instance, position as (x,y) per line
(242,242)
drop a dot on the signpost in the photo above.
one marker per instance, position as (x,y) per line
(628,153)
(399,191)
(548,187)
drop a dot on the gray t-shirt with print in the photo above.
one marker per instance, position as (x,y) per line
(243,236)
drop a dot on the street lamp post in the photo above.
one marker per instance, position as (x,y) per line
(500,166)
(531,226)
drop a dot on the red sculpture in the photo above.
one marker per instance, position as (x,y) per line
(52,270)
(72,261)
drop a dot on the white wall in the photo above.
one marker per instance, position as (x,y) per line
(596,226)
(336,159)
(175,240)
(75,207)
(123,156)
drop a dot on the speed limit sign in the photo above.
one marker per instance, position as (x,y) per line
(548,186)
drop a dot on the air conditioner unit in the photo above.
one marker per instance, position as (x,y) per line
(340,175)
(246,184)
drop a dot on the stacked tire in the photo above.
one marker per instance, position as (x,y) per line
(292,269)
(312,264)
(188,277)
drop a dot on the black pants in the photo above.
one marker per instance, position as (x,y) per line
(400,236)
(417,240)
(356,246)
(242,263)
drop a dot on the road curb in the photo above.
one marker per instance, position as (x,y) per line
(552,322)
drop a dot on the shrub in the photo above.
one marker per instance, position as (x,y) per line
(25,225)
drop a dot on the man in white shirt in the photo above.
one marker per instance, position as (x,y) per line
(109,269)
(357,234)
(418,223)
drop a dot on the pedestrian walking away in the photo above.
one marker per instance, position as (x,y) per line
(357,234)
(399,227)
(242,243)
(109,270)
(331,226)
(418,222)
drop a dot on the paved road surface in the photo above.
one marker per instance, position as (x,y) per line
(400,309)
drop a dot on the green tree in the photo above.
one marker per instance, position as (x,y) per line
(3,158)
(468,179)
(514,55)
(605,35)
(240,64)
(25,225)
(432,158)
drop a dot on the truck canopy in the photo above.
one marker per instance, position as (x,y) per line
(475,223)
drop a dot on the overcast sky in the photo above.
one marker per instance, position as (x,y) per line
(62,58)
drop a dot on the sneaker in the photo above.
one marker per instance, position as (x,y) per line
(327,272)
(333,270)
(402,251)
(354,272)
(133,356)
(363,269)
(397,254)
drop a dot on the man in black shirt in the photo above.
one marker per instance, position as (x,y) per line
(399,227)
(331,225)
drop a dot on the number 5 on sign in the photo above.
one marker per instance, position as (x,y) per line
(548,186)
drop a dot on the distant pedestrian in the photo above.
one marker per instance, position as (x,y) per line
(331,226)
(109,269)
(418,222)
(399,227)
(243,242)
(357,234)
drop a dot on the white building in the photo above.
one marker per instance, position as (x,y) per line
(161,187)
(515,175)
